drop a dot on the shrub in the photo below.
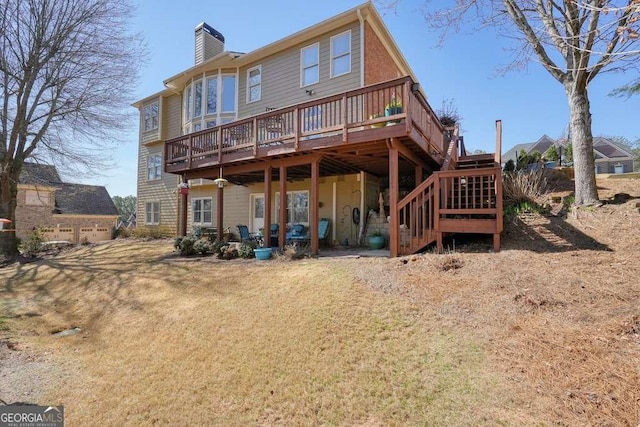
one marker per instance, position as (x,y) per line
(187,245)
(246,250)
(228,252)
(295,251)
(521,187)
(123,233)
(203,247)
(33,244)
(152,232)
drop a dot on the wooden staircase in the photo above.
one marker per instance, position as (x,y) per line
(464,197)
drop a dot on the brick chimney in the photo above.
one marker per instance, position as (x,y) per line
(209,42)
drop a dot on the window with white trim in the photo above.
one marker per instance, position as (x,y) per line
(212,95)
(197,99)
(201,211)
(310,65)
(297,207)
(228,93)
(254,84)
(152,213)
(154,167)
(341,54)
(150,116)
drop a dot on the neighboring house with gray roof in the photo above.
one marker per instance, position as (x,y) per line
(67,211)
(610,156)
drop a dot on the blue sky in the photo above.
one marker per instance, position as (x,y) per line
(530,102)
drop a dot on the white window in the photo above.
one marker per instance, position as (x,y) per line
(197,99)
(310,65)
(201,211)
(297,207)
(228,94)
(150,114)
(152,213)
(212,95)
(187,104)
(154,167)
(254,84)
(341,54)
(211,124)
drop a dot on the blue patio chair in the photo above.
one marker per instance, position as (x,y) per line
(275,228)
(245,236)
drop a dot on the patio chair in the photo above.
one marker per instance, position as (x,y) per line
(245,235)
(323,230)
(275,228)
(298,233)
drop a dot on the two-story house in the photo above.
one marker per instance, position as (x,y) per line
(332,117)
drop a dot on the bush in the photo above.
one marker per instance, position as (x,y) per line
(152,232)
(186,245)
(228,252)
(203,247)
(33,244)
(295,251)
(521,187)
(123,233)
(246,250)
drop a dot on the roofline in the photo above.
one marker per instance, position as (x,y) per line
(139,103)
(613,144)
(352,15)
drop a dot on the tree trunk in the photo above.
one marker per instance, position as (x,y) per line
(8,196)
(582,140)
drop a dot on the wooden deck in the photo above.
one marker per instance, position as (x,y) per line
(348,133)
(344,127)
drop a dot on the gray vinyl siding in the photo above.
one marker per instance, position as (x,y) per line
(172,116)
(162,190)
(281,75)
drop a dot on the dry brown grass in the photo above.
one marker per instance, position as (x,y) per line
(545,332)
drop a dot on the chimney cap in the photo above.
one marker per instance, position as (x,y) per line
(209,29)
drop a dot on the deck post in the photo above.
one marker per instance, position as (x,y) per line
(394,227)
(184,199)
(220,209)
(282,220)
(315,193)
(267,206)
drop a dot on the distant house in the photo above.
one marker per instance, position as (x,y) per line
(610,156)
(65,211)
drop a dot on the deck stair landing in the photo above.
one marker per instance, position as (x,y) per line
(464,198)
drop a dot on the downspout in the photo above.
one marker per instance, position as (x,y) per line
(362,52)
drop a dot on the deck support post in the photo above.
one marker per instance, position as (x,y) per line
(496,242)
(315,193)
(184,199)
(394,227)
(282,220)
(267,207)
(220,210)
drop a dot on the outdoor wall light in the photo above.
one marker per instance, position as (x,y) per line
(220,182)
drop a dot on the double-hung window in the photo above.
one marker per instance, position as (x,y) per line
(154,167)
(152,213)
(297,207)
(212,95)
(150,113)
(201,211)
(228,93)
(254,84)
(341,54)
(310,65)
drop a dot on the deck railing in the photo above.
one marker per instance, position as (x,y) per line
(472,195)
(396,102)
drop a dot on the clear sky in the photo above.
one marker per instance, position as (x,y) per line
(530,102)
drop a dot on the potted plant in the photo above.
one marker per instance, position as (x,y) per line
(376,240)
(376,116)
(392,108)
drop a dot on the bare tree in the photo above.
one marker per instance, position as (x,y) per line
(574,40)
(67,73)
